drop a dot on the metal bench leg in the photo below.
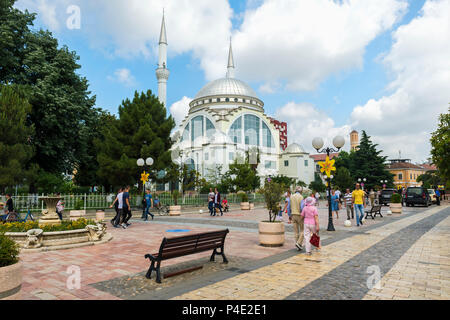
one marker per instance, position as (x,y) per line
(213,256)
(158,272)
(222,253)
(149,272)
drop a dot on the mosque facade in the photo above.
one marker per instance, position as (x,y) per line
(226,122)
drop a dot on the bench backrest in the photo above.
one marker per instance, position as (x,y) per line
(376,208)
(190,244)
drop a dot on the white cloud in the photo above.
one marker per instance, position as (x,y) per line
(124,77)
(302,42)
(419,62)
(180,109)
(47,11)
(305,122)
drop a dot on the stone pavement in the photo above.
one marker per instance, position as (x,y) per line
(115,270)
(338,271)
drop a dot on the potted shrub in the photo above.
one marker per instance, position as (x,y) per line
(10,269)
(396,203)
(245,205)
(271,233)
(77,213)
(175,210)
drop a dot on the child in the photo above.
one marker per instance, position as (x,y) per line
(225,204)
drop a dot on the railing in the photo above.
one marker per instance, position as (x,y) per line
(24,203)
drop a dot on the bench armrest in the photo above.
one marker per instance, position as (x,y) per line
(151,257)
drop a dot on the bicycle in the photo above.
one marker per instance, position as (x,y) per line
(162,210)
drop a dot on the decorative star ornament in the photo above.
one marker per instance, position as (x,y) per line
(144,177)
(327,166)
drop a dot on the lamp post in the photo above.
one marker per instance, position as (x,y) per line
(383,183)
(318,144)
(144,164)
(362,182)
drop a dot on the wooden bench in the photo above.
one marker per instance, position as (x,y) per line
(185,245)
(373,212)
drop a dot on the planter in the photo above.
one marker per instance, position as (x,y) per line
(396,208)
(245,205)
(271,234)
(49,215)
(175,210)
(11,282)
(77,214)
(100,216)
(252,206)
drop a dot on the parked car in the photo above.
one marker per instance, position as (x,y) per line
(385,196)
(432,195)
(417,196)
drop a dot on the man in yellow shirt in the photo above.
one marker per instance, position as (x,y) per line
(358,202)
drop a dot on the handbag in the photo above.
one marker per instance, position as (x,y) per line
(315,240)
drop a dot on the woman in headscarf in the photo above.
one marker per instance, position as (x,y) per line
(311,222)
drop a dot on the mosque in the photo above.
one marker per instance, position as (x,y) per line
(226,123)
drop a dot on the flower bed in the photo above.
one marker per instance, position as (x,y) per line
(64,226)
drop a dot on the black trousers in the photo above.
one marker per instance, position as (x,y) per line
(113,221)
(126,215)
(218,205)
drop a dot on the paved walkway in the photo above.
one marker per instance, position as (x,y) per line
(115,270)
(339,271)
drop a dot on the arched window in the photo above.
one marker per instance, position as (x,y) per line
(267,136)
(251,130)
(227,100)
(197,128)
(185,135)
(235,132)
(210,129)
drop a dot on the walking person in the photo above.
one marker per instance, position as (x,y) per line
(287,204)
(217,203)
(211,202)
(317,198)
(295,217)
(126,207)
(9,209)
(118,205)
(335,203)
(149,204)
(358,202)
(311,222)
(438,197)
(372,197)
(60,207)
(349,204)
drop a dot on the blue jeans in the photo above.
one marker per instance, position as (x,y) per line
(211,208)
(359,207)
(147,212)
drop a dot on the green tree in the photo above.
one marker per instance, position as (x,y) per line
(246,178)
(430,179)
(62,107)
(141,131)
(366,162)
(286,182)
(440,146)
(15,135)
(273,193)
(343,179)
(317,184)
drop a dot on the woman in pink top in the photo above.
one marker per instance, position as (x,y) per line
(311,222)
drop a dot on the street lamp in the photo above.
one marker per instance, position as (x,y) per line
(318,144)
(362,182)
(143,164)
(384,182)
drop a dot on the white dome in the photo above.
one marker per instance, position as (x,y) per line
(226,86)
(294,148)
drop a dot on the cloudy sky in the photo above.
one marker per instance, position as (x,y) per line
(326,67)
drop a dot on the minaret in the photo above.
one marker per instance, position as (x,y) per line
(230,72)
(162,73)
(354,140)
